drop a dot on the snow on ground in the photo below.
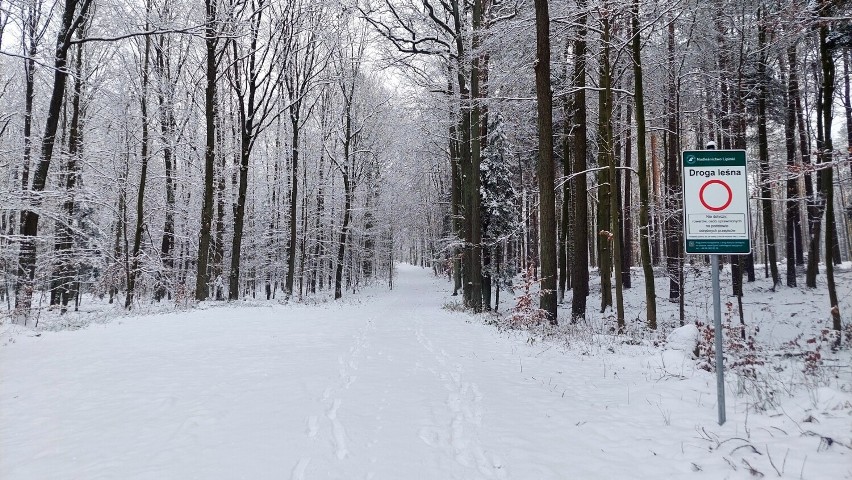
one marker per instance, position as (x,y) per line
(396,385)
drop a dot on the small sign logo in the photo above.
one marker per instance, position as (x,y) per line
(690,159)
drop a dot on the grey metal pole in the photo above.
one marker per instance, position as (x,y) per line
(717,325)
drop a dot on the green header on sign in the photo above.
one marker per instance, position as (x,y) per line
(714,158)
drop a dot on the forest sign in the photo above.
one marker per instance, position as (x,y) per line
(715,202)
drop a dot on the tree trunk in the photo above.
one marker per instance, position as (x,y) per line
(143,174)
(486,277)
(763,147)
(455,209)
(847,102)
(674,243)
(804,149)
(294,193)
(65,272)
(344,234)
(220,177)
(547,207)
(202,278)
(474,214)
(606,177)
(626,214)
(303,243)
(627,211)
(239,218)
(828,71)
(248,108)
(486,251)
(613,239)
(168,127)
(656,229)
(319,247)
(642,165)
(565,245)
(30,34)
(120,231)
(818,201)
(616,252)
(793,220)
(580,267)
(346,171)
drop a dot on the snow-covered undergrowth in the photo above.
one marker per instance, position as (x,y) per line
(401,385)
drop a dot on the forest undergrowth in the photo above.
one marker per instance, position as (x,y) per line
(782,347)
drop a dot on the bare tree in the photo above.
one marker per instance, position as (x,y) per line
(62,283)
(255,76)
(304,62)
(73,14)
(211,41)
(144,154)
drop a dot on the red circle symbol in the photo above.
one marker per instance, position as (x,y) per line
(709,207)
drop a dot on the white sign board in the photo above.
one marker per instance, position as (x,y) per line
(715,202)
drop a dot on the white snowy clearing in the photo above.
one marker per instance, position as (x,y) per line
(391,385)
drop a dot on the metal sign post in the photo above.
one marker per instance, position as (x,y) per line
(716,222)
(717,326)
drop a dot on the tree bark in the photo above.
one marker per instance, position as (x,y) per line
(580,267)
(819,201)
(143,174)
(613,239)
(847,102)
(344,234)
(828,72)
(31,35)
(566,249)
(793,220)
(642,166)
(456,208)
(674,243)
(202,278)
(606,177)
(168,127)
(474,214)
(627,211)
(295,112)
(763,149)
(347,172)
(547,207)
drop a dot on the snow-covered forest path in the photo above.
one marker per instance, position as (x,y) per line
(391,386)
